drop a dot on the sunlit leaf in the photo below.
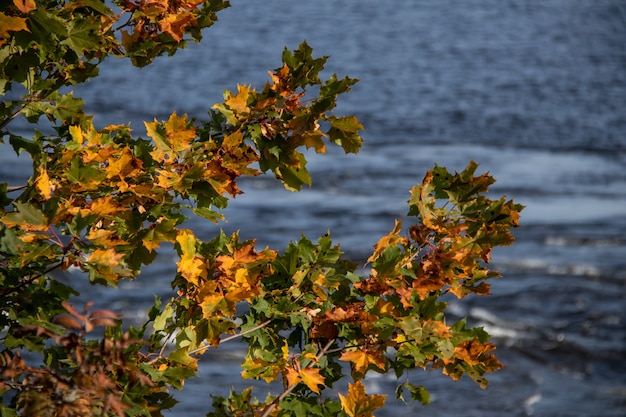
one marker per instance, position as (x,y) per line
(25,6)
(11,24)
(27,217)
(358,404)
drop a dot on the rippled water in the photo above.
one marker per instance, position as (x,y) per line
(535,91)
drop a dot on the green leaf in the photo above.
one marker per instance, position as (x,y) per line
(27,217)
(344,132)
(418,393)
(20,144)
(160,321)
(84,35)
(294,178)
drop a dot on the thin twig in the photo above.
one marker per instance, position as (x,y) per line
(235,336)
(8,120)
(16,188)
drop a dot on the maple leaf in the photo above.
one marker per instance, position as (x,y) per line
(25,6)
(11,24)
(108,264)
(106,238)
(309,376)
(238,103)
(362,359)
(471,351)
(124,165)
(192,267)
(258,368)
(43,184)
(27,217)
(175,24)
(358,404)
(106,206)
(393,238)
(179,132)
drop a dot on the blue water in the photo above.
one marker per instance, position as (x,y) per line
(535,91)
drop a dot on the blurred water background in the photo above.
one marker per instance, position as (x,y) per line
(534,91)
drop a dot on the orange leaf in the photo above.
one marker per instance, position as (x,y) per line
(363,359)
(108,263)
(312,379)
(123,166)
(25,6)
(175,24)
(190,266)
(43,184)
(11,24)
(239,103)
(106,206)
(179,133)
(391,239)
(309,376)
(358,404)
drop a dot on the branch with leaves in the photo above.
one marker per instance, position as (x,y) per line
(104,202)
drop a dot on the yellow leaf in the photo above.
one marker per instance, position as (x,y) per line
(43,184)
(124,165)
(386,307)
(175,24)
(108,263)
(178,132)
(106,206)
(103,237)
(309,376)
(11,24)
(171,137)
(77,134)
(363,359)
(25,6)
(233,140)
(312,379)
(187,241)
(358,404)
(358,357)
(293,376)
(33,237)
(191,267)
(239,103)
(391,239)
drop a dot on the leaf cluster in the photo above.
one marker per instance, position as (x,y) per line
(101,203)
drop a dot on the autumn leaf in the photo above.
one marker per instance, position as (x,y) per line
(106,206)
(393,238)
(107,263)
(175,24)
(43,184)
(344,132)
(362,359)
(11,24)
(192,267)
(25,6)
(238,103)
(125,164)
(27,217)
(358,404)
(179,132)
(312,378)
(471,351)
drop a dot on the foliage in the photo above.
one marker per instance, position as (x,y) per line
(102,201)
